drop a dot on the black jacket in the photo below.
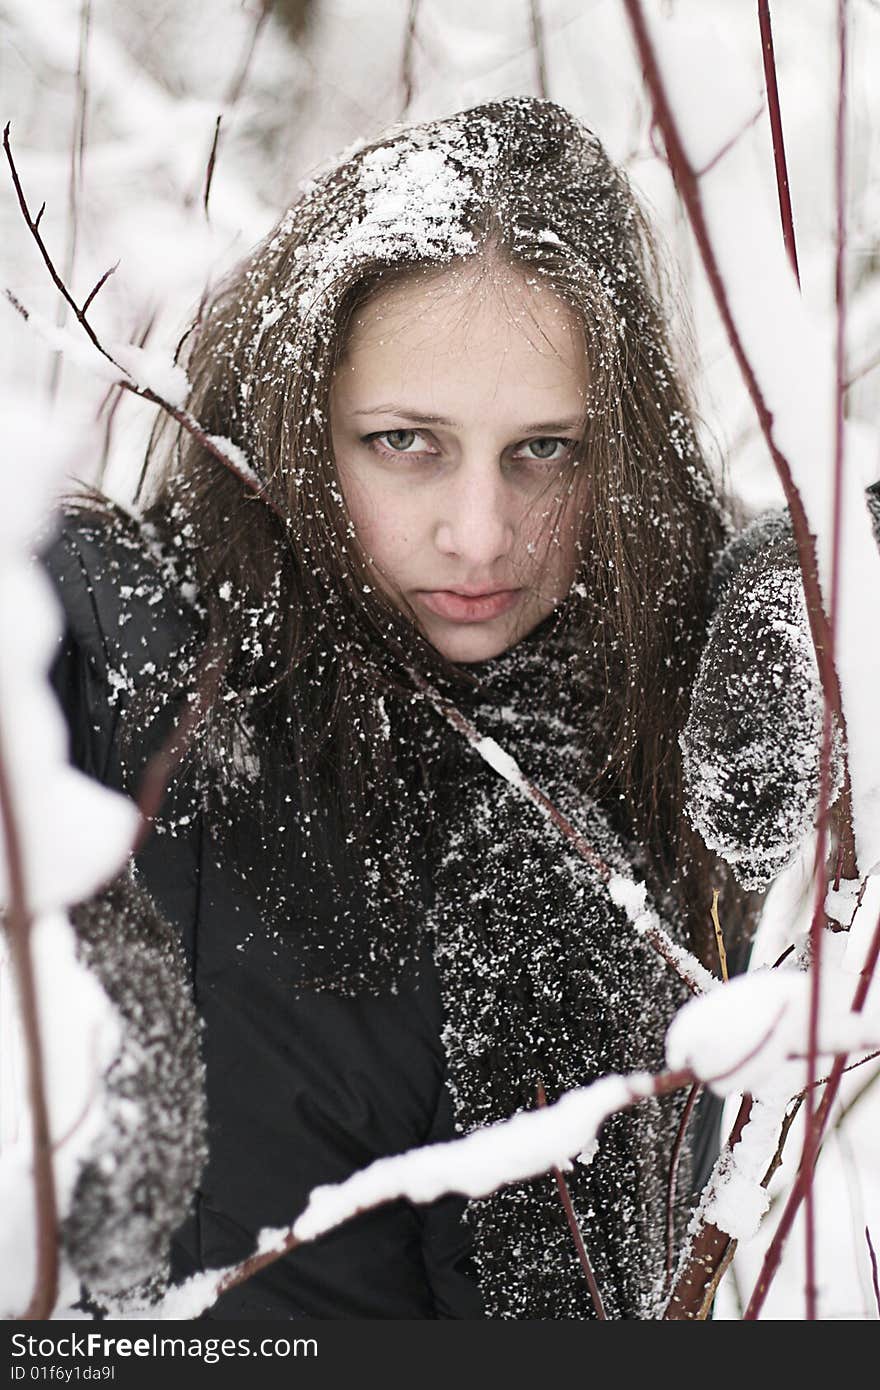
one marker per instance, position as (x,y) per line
(299,1093)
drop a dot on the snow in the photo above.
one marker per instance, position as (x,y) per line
(152,370)
(80,1031)
(236,455)
(750,1034)
(412,201)
(153,105)
(499,760)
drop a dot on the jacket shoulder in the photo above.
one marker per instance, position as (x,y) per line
(124,604)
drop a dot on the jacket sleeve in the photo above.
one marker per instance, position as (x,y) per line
(752,740)
(135,1184)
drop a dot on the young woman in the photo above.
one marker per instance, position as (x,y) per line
(466,478)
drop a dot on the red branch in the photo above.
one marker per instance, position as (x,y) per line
(804,1176)
(812,1130)
(776,132)
(212,160)
(565,1197)
(687,183)
(182,417)
(18,924)
(691,1101)
(874,1278)
(654,935)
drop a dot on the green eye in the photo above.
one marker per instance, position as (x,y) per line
(549,448)
(543,448)
(400,440)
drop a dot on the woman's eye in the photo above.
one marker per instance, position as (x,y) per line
(549,449)
(400,442)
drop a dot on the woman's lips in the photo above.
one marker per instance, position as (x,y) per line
(469,608)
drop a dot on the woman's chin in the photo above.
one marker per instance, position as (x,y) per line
(473,642)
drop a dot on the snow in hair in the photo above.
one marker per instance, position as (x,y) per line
(413,206)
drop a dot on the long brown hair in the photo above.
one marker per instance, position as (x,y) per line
(521,180)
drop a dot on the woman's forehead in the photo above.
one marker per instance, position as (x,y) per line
(445,346)
(467,307)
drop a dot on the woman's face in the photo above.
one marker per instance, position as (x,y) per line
(457,407)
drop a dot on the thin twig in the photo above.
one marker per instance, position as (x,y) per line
(719,936)
(672,1182)
(182,417)
(75,174)
(18,926)
(100,285)
(686,966)
(565,1196)
(775,111)
(773,1254)
(236,87)
(729,144)
(537,26)
(57,280)
(874,1278)
(212,160)
(870,366)
(407,80)
(812,1135)
(845,1110)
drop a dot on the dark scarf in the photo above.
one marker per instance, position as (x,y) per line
(543,979)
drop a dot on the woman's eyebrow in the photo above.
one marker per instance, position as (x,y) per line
(424,417)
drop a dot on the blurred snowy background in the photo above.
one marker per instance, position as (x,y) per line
(114,105)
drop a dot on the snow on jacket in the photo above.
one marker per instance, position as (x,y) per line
(524,968)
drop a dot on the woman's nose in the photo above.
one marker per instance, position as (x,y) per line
(475,520)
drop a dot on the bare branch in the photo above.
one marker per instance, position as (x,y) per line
(688,187)
(406,58)
(100,285)
(874,1278)
(686,966)
(773,1254)
(236,87)
(729,144)
(870,366)
(75,174)
(212,160)
(33,225)
(586,1266)
(775,111)
(813,1128)
(18,926)
(674,1162)
(537,27)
